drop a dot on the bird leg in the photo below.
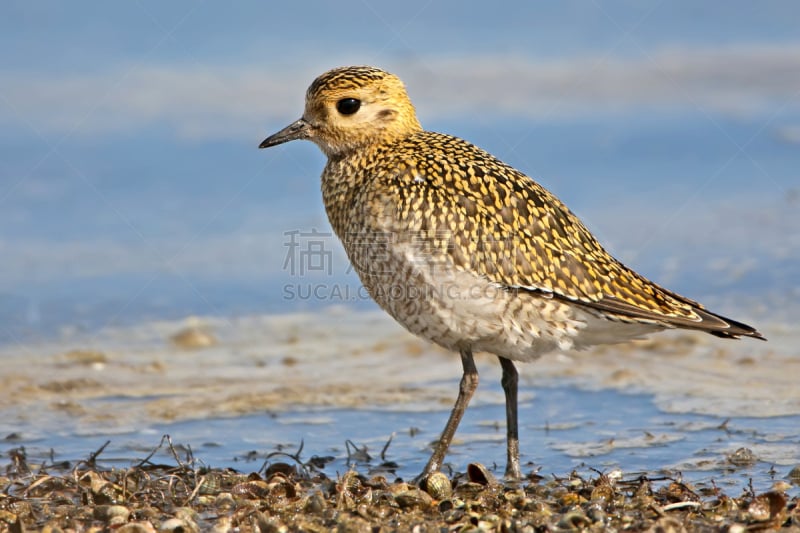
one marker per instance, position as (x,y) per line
(469,382)
(509,382)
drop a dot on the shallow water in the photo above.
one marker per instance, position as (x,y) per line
(679,404)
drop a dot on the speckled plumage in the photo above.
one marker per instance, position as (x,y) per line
(465,250)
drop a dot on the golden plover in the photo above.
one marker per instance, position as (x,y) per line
(466,251)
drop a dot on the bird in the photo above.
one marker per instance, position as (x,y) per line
(466,251)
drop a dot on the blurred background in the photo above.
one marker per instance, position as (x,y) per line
(131,186)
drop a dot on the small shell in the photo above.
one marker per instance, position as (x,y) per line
(187,514)
(315,503)
(109,512)
(477,473)
(574,521)
(603,493)
(570,499)
(469,490)
(175,524)
(224,500)
(596,514)
(270,524)
(211,485)
(445,506)
(413,498)
(534,505)
(780,486)
(438,486)
(193,338)
(251,489)
(103,490)
(743,457)
(768,506)
(489,522)
(350,483)
(397,488)
(377,482)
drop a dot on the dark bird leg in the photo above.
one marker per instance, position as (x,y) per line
(509,382)
(469,382)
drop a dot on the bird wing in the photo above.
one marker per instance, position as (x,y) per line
(490,219)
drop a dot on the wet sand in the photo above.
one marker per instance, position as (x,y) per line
(217,367)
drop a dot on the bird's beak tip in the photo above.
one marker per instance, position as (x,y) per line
(296,130)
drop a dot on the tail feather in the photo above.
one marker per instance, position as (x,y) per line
(730,329)
(707,321)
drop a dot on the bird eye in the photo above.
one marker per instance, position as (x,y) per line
(348,106)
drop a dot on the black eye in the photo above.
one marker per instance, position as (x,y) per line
(348,106)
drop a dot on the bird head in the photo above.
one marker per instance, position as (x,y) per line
(349,108)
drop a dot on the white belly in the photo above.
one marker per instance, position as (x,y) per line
(457,309)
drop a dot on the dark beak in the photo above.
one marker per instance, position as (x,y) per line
(296,130)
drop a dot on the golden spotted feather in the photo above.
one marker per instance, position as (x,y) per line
(491,219)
